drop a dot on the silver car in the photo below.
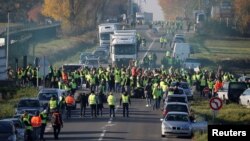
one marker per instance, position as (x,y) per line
(179,124)
(186,89)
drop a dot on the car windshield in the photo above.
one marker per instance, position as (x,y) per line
(29,103)
(176,99)
(92,62)
(47,96)
(105,36)
(239,86)
(177,108)
(99,53)
(124,49)
(184,85)
(177,117)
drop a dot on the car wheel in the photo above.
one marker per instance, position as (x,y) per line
(163,135)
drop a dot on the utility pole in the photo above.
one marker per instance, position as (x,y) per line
(7,45)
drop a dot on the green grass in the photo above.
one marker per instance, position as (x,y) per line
(65,50)
(7,106)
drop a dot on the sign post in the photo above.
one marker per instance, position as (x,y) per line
(215,104)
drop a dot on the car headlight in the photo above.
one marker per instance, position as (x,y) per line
(186,127)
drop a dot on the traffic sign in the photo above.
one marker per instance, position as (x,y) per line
(215,103)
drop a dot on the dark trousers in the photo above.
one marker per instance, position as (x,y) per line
(125,109)
(28,135)
(99,109)
(111,110)
(43,126)
(93,109)
(83,110)
(57,129)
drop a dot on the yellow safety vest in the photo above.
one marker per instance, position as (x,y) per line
(92,99)
(52,104)
(124,99)
(111,100)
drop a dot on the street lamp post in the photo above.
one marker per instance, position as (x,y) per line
(7,44)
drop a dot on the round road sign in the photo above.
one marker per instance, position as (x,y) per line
(215,103)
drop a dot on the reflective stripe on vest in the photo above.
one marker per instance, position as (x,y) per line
(124,99)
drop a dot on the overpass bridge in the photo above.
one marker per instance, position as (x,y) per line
(21,34)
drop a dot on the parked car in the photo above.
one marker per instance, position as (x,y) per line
(45,94)
(231,91)
(186,88)
(19,127)
(176,98)
(83,57)
(30,105)
(7,131)
(175,107)
(180,124)
(92,61)
(102,53)
(244,98)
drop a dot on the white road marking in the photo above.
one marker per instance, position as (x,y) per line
(107,125)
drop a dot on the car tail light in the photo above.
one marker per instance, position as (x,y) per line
(165,113)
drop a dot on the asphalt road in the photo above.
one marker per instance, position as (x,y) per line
(143,123)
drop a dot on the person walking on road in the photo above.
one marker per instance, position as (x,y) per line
(44,117)
(92,103)
(125,100)
(36,123)
(57,123)
(111,103)
(100,104)
(83,103)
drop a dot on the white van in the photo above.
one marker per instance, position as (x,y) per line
(181,51)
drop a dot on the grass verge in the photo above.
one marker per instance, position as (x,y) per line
(7,106)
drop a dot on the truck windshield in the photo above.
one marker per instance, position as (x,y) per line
(105,36)
(124,49)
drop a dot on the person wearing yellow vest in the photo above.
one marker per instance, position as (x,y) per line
(125,100)
(44,117)
(92,103)
(28,128)
(53,104)
(162,41)
(36,123)
(111,103)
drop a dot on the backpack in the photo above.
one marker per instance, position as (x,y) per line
(55,119)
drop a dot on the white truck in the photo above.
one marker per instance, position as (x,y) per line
(105,30)
(123,47)
(181,51)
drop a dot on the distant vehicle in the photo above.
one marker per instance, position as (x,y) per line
(92,61)
(176,98)
(19,127)
(45,94)
(102,53)
(71,67)
(186,88)
(83,57)
(231,91)
(139,18)
(123,47)
(179,124)
(244,79)
(175,107)
(244,98)
(7,131)
(181,51)
(30,105)
(191,63)
(105,30)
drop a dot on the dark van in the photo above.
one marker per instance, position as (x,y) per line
(231,91)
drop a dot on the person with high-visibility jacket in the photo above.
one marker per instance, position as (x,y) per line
(28,127)
(53,104)
(125,100)
(161,41)
(70,101)
(111,102)
(36,123)
(44,117)
(92,103)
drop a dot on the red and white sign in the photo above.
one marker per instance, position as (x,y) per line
(206,90)
(215,103)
